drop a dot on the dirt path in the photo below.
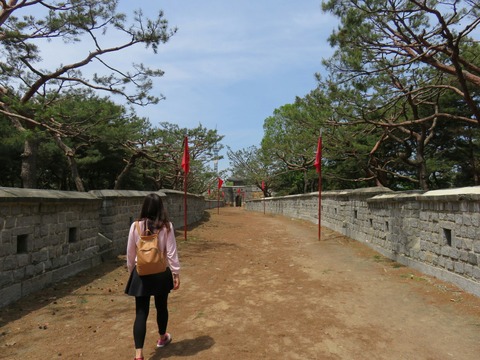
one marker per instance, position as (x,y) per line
(255,286)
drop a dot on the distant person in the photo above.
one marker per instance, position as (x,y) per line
(153,217)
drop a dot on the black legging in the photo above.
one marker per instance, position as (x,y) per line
(142,308)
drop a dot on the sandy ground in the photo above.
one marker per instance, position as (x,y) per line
(255,286)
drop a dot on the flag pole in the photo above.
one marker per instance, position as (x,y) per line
(263,191)
(186,169)
(319,170)
(220,182)
(185,207)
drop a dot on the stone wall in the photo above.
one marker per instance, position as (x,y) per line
(47,236)
(435,232)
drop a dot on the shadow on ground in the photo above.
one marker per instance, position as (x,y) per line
(185,347)
(57,291)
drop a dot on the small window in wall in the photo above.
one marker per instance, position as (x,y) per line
(355,214)
(371,223)
(22,244)
(387,227)
(72,234)
(335,211)
(447,233)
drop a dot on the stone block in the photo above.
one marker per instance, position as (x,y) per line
(29,271)
(476,245)
(476,273)
(10,294)
(19,274)
(23,260)
(44,230)
(59,261)
(473,258)
(449,264)
(454,254)
(9,263)
(470,232)
(463,255)
(458,267)
(5,250)
(6,278)
(36,283)
(468,270)
(39,256)
(450,217)
(468,244)
(466,220)
(445,250)
(475,219)
(70,270)
(39,268)
(8,223)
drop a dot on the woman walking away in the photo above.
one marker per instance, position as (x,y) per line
(153,219)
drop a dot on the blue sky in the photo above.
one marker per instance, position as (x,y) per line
(232,63)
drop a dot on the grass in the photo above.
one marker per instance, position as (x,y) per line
(382,259)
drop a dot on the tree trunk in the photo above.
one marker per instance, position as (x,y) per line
(29,164)
(126,169)
(305,181)
(422,175)
(75,175)
(422,140)
(473,160)
(70,154)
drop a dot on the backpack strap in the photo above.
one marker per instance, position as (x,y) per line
(139,231)
(138,228)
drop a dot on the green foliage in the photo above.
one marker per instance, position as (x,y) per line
(394,80)
(10,154)
(112,148)
(51,103)
(398,107)
(254,166)
(290,137)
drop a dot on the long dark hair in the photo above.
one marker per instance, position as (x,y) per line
(154,213)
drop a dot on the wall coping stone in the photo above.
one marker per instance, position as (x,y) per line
(177,192)
(396,197)
(107,194)
(362,192)
(471,193)
(30,195)
(8,194)
(356,193)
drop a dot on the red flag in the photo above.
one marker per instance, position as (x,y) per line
(318,157)
(208,191)
(186,157)
(263,185)
(220,183)
(238,191)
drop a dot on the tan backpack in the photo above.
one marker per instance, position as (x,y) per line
(150,260)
